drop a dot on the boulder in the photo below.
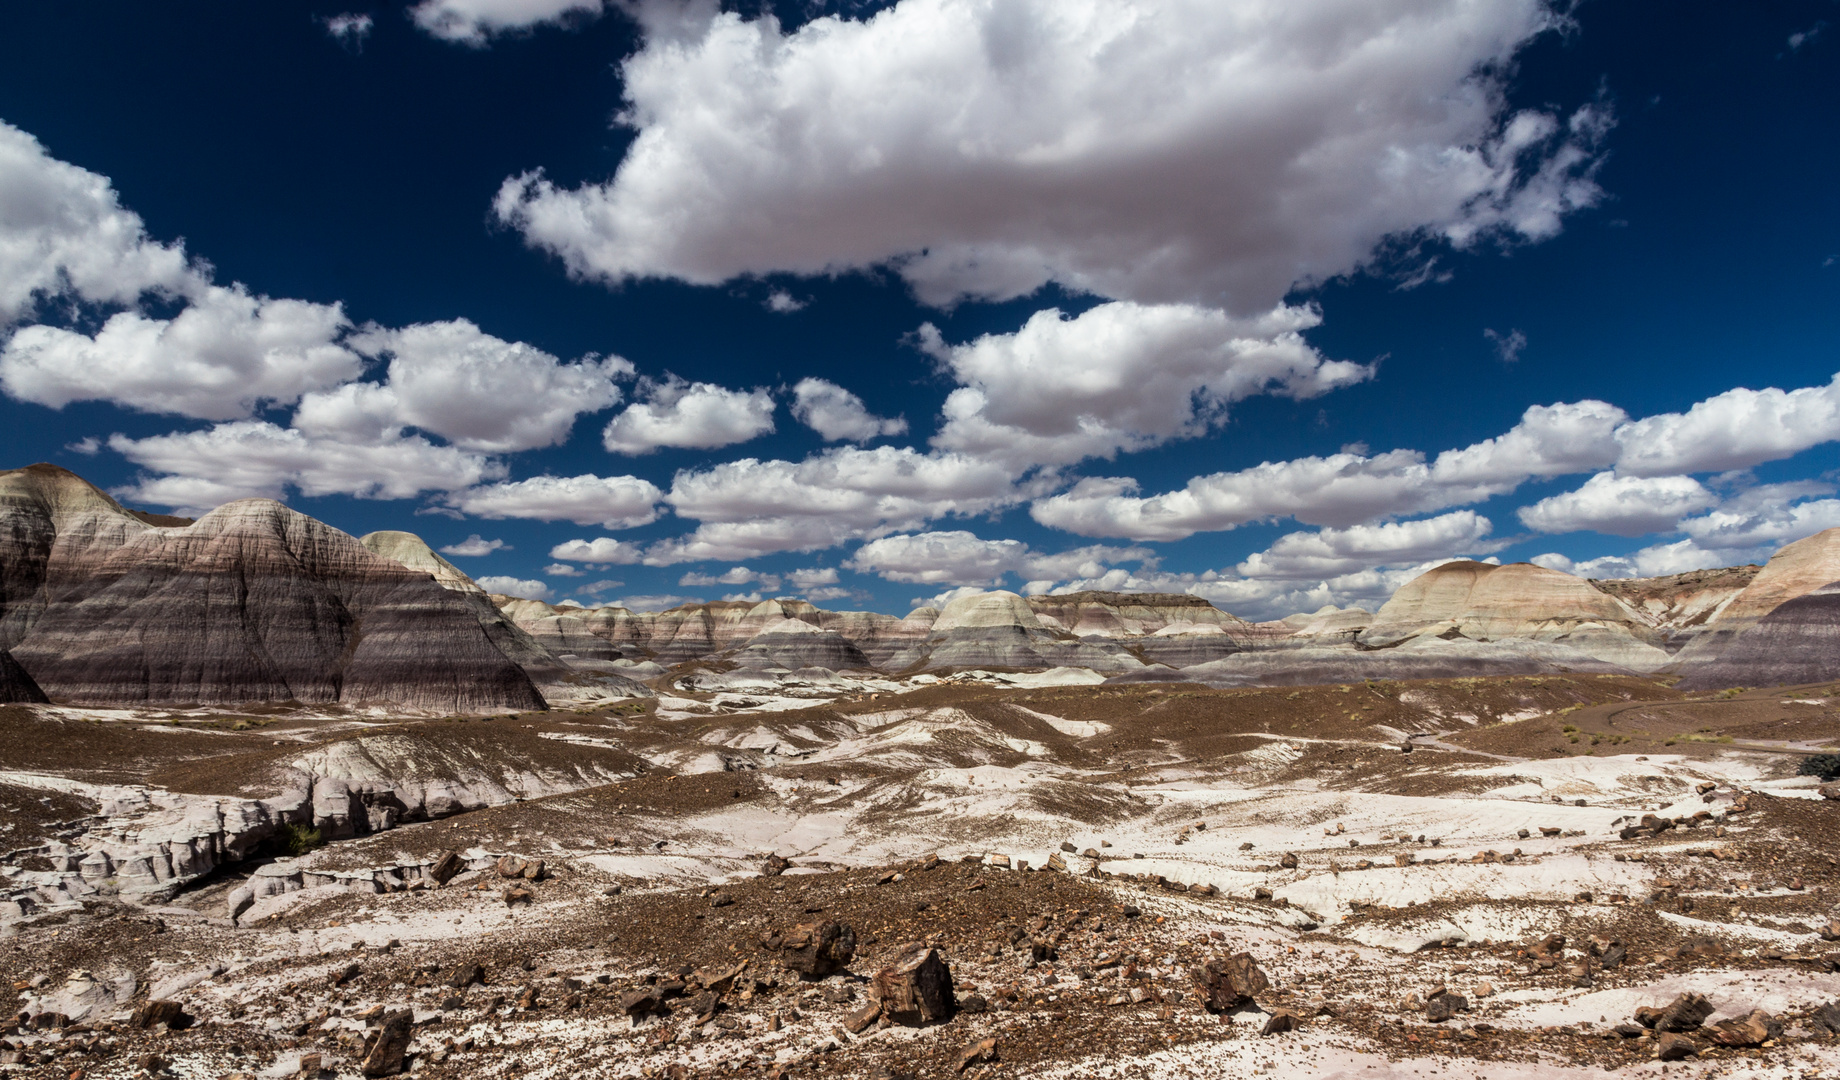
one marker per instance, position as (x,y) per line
(1753,1030)
(818,949)
(1230,983)
(1442,1006)
(917,990)
(1672,1047)
(388,1048)
(1685,1013)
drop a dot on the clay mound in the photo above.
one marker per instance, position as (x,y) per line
(1797,570)
(1524,600)
(987,611)
(1186,644)
(1520,602)
(413,552)
(570,635)
(1798,642)
(254,602)
(537,658)
(56,526)
(1438,595)
(1115,614)
(792,644)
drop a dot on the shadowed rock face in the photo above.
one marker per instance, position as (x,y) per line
(1798,642)
(15,685)
(254,602)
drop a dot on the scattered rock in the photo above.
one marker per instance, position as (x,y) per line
(1675,1048)
(1288,860)
(1753,1030)
(1684,1013)
(385,1056)
(859,1021)
(818,949)
(1280,1021)
(917,990)
(1227,984)
(1827,1018)
(982,1050)
(445,868)
(154,1013)
(1442,1006)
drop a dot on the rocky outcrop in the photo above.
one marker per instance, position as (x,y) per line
(253,602)
(1797,570)
(1330,622)
(1798,642)
(150,843)
(1681,603)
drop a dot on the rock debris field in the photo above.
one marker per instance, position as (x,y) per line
(1512,877)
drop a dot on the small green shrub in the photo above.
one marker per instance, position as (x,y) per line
(299,839)
(1825,766)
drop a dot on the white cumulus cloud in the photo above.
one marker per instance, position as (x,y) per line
(477,391)
(64,231)
(962,558)
(505,585)
(221,358)
(349,29)
(1331,553)
(475,545)
(1121,376)
(256,458)
(1734,430)
(613,502)
(734,575)
(838,415)
(749,508)
(686,415)
(602,550)
(1205,151)
(1620,505)
(1347,488)
(475,22)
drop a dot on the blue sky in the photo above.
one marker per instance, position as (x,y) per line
(868,302)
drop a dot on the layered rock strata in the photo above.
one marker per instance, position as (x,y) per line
(1797,570)
(1797,642)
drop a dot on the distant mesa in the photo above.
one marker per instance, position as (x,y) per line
(256,602)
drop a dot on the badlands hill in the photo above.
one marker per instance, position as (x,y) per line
(256,602)
(253,602)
